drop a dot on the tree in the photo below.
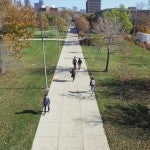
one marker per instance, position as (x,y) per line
(60,23)
(15,26)
(111,24)
(109,29)
(82,24)
(122,15)
(43,22)
(142,22)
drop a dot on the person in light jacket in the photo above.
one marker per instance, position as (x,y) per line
(92,84)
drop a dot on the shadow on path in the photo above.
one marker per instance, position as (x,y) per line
(57,80)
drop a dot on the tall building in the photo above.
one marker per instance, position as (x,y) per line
(27,3)
(41,2)
(19,4)
(39,5)
(14,2)
(74,8)
(93,6)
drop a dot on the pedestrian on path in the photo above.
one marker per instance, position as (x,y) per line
(73,73)
(79,63)
(46,103)
(74,62)
(92,84)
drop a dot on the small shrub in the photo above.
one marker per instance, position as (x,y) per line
(86,42)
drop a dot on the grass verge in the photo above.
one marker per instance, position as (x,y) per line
(21,93)
(127,121)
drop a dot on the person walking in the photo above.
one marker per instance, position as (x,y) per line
(92,84)
(46,103)
(73,73)
(79,63)
(74,62)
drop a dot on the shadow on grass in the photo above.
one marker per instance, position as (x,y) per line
(95,71)
(137,89)
(29,112)
(40,71)
(22,88)
(134,116)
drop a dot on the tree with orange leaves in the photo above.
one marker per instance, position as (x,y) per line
(15,26)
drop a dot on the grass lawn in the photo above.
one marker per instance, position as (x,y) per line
(51,33)
(21,94)
(127,121)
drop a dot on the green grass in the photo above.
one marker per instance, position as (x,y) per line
(21,93)
(127,121)
(51,33)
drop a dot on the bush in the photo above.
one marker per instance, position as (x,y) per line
(86,42)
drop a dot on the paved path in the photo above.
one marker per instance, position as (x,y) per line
(74,122)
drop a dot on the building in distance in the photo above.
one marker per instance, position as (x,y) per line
(27,3)
(93,6)
(75,8)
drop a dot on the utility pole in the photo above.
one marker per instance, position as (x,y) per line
(43,49)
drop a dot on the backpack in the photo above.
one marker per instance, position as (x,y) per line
(80,61)
(92,83)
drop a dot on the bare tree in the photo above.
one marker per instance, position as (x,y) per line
(113,24)
(110,29)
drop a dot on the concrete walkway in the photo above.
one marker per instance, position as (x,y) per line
(74,121)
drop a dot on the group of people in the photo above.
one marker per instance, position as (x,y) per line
(75,62)
(73,72)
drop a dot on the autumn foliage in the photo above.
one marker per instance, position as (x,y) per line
(16,24)
(143,23)
(82,24)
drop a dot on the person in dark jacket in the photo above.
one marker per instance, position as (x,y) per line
(46,103)
(73,73)
(79,63)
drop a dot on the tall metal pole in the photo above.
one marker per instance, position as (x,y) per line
(43,49)
(44,60)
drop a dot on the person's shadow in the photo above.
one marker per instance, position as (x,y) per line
(29,112)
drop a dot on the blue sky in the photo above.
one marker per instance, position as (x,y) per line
(80,4)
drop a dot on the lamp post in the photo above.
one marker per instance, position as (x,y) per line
(43,49)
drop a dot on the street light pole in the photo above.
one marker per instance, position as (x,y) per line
(44,60)
(43,49)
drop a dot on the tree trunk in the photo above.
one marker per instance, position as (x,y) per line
(121,90)
(108,56)
(1,59)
